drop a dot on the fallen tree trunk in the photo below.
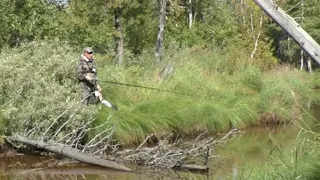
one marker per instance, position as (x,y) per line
(70,153)
(305,41)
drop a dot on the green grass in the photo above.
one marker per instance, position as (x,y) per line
(206,97)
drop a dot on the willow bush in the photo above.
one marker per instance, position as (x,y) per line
(37,86)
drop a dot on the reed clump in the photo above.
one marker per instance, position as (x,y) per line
(206,95)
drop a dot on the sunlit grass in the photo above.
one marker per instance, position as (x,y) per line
(204,97)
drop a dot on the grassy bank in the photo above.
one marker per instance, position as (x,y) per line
(211,91)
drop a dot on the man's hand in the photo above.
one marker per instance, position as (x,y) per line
(97,94)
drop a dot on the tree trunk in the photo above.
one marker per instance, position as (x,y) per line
(256,38)
(304,40)
(309,65)
(162,22)
(119,36)
(242,7)
(302,52)
(190,13)
(70,153)
(301,60)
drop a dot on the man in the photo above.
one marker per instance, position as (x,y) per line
(87,75)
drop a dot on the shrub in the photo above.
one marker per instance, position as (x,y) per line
(39,87)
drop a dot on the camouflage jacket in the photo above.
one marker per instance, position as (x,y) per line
(87,72)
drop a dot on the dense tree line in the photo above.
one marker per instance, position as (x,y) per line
(128,28)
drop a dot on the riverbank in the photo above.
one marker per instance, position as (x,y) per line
(209,92)
(205,98)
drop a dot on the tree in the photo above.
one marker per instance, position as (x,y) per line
(160,37)
(118,7)
(118,36)
(86,24)
(140,21)
(27,20)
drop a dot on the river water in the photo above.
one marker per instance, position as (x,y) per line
(249,146)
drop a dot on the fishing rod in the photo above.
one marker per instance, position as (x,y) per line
(145,87)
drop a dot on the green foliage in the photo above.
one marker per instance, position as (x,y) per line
(27,20)
(84,24)
(140,26)
(213,25)
(230,25)
(38,85)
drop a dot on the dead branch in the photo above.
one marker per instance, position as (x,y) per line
(177,155)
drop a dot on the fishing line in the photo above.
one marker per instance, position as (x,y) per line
(144,87)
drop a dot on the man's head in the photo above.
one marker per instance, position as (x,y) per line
(88,52)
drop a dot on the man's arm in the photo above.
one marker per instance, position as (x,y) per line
(99,88)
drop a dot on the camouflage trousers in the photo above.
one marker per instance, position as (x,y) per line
(88,94)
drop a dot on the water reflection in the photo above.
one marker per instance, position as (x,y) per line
(253,146)
(88,173)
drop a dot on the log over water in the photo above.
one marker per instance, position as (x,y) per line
(70,153)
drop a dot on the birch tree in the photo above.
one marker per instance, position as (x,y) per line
(118,35)
(161,26)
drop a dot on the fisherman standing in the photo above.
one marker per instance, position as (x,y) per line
(87,76)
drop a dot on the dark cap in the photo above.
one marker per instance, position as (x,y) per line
(88,50)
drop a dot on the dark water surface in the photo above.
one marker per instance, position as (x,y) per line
(250,146)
